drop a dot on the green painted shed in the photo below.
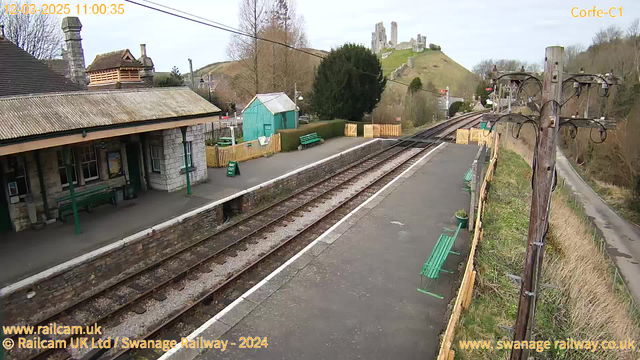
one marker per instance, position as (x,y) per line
(267,113)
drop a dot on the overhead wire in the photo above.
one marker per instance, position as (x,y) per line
(220,26)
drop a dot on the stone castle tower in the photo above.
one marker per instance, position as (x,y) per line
(394,34)
(74,55)
(378,38)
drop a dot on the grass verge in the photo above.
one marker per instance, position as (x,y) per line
(581,303)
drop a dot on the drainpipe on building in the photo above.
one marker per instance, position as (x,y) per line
(72,195)
(186,158)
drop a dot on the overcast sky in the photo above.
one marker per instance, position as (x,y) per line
(467,30)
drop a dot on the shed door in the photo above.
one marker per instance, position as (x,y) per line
(267,130)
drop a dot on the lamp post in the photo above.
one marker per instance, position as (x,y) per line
(296,98)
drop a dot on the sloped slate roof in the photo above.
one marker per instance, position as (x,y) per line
(113,60)
(39,114)
(21,73)
(274,102)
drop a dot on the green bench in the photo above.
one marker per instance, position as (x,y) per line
(225,141)
(86,199)
(310,140)
(433,267)
(467,179)
(467,175)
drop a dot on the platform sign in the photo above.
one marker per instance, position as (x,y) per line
(233,169)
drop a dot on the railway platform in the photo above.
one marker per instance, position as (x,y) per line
(29,252)
(352,293)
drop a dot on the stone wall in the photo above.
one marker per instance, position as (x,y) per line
(173,156)
(61,290)
(304,178)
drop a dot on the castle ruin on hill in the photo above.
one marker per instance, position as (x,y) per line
(379,40)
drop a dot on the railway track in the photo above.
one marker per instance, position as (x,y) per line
(176,295)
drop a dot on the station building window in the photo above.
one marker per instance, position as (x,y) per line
(188,154)
(64,180)
(156,158)
(16,177)
(89,162)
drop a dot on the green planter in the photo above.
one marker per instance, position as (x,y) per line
(462,221)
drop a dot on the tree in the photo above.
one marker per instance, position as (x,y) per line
(482,93)
(610,34)
(483,68)
(38,34)
(349,82)
(245,49)
(571,53)
(416,84)
(174,79)
(281,66)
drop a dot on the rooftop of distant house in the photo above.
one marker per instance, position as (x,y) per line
(114,60)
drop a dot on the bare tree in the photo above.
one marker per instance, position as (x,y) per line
(571,53)
(483,68)
(283,65)
(38,34)
(610,34)
(633,36)
(245,49)
(534,67)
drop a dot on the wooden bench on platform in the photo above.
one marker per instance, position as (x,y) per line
(433,267)
(86,199)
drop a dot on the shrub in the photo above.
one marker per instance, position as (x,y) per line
(433,46)
(454,108)
(290,138)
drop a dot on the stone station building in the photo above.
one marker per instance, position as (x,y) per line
(121,142)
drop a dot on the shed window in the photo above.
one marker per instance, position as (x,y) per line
(63,171)
(188,154)
(89,162)
(156,157)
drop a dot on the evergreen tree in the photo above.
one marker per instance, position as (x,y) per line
(174,79)
(348,83)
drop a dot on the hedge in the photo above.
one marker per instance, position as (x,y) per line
(290,138)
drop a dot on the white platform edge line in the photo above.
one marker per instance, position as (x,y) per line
(242,297)
(131,238)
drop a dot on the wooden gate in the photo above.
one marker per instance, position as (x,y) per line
(351,130)
(368,131)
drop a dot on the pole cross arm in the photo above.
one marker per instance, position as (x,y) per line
(609,79)
(595,123)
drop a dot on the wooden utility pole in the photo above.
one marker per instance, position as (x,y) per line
(543,179)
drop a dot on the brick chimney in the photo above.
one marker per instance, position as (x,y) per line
(147,73)
(71,27)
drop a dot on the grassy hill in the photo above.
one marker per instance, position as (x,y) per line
(232,68)
(434,66)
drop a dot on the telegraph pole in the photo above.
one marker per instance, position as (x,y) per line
(543,179)
(193,86)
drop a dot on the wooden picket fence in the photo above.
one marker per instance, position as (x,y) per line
(220,156)
(351,130)
(377,130)
(481,136)
(462,136)
(463,299)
